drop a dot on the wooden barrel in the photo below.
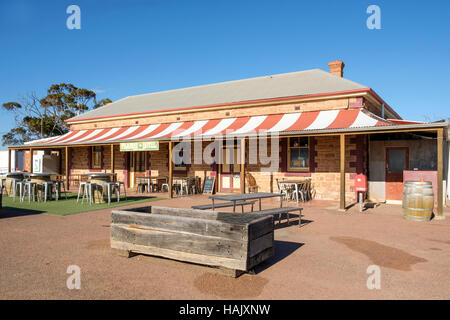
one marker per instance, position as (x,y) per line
(418,200)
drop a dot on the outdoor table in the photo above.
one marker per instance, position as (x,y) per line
(149,180)
(98,179)
(11,179)
(41,179)
(247,196)
(183,182)
(294,183)
(38,177)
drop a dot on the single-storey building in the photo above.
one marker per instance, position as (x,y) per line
(316,124)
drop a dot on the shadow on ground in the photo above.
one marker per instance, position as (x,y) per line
(10,212)
(282,250)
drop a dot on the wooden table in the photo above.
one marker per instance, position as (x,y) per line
(247,196)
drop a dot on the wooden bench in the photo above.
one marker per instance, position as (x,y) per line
(224,205)
(280,211)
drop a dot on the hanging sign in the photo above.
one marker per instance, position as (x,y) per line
(140,146)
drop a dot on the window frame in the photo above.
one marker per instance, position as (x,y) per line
(304,169)
(93,153)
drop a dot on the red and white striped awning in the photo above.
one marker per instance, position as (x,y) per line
(281,123)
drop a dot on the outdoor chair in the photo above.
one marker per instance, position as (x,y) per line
(251,183)
(283,190)
(165,185)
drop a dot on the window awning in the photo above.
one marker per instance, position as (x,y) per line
(283,124)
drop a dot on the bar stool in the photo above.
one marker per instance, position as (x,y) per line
(110,186)
(29,188)
(19,185)
(58,184)
(13,186)
(118,184)
(48,187)
(85,190)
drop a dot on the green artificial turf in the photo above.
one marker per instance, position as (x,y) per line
(64,207)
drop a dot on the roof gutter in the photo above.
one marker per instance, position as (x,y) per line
(361,130)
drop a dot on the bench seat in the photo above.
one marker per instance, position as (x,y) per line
(280,211)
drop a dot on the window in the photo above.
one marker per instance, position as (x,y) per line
(96,161)
(298,154)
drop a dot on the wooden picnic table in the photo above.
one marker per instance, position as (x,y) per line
(246,196)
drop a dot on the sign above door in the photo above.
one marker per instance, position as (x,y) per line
(140,146)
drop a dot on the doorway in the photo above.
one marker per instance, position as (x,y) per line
(137,167)
(230,169)
(397,160)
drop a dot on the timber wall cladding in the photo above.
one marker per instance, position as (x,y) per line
(237,242)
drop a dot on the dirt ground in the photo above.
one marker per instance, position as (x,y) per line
(327,258)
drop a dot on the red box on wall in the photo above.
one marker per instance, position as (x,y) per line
(361,182)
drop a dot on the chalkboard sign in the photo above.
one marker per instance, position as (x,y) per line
(208,185)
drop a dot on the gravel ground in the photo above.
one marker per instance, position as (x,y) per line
(327,258)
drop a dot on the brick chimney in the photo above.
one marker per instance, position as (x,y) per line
(337,68)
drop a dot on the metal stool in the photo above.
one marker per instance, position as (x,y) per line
(118,184)
(48,187)
(58,185)
(28,188)
(13,187)
(110,186)
(85,189)
(20,185)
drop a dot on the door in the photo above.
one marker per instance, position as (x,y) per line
(397,160)
(137,167)
(230,173)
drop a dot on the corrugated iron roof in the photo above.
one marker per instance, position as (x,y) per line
(299,83)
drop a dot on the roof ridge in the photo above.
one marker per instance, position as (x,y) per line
(229,81)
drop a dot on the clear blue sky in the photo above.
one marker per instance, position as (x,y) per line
(133,47)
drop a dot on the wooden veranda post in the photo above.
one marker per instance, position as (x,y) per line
(342,173)
(112,160)
(243,165)
(170,170)
(67,167)
(440,159)
(30,160)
